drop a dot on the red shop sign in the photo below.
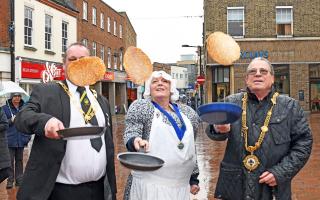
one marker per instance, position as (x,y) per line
(41,70)
(108,76)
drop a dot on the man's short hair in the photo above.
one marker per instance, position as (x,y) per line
(265,60)
(71,45)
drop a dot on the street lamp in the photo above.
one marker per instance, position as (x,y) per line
(200,68)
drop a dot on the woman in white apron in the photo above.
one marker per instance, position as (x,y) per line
(166,130)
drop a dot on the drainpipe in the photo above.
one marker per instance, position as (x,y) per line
(11,35)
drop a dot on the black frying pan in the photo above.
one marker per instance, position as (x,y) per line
(140,161)
(81,131)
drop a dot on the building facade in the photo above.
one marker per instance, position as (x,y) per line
(5,41)
(101,29)
(285,32)
(43,30)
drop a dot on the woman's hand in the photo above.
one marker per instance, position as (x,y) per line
(140,143)
(223,128)
(194,189)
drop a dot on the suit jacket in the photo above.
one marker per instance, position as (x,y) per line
(47,101)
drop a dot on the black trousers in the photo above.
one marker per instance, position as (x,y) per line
(88,191)
(16,169)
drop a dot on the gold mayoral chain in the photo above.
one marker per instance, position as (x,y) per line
(91,112)
(251,162)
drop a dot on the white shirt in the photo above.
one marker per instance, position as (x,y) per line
(81,162)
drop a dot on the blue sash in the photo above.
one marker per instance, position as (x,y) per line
(179,131)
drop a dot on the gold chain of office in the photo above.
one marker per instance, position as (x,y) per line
(91,112)
(251,162)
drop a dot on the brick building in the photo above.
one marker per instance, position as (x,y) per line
(285,32)
(101,29)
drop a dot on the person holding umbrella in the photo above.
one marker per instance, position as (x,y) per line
(16,140)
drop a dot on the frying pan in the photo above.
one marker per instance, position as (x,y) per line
(86,132)
(220,112)
(140,161)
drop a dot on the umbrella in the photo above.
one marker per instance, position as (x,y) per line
(8,87)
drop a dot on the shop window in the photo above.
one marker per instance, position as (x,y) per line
(284,20)
(235,18)
(221,86)
(314,74)
(282,80)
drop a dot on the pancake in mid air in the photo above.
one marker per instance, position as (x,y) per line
(86,71)
(137,65)
(223,48)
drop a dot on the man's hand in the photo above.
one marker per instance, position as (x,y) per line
(268,178)
(223,128)
(194,189)
(51,128)
(140,143)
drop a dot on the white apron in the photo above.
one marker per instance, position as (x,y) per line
(170,182)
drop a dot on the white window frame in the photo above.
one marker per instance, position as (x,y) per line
(109,24)
(285,7)
(115,60)
(48,32)
(102,53)
(243,27)
(94,49)
(85,10)
(102,20)
(85,42)
(120,31)
(121,60)
(94,16)
(109,57)
(64,32)
(115,28)
(28,38)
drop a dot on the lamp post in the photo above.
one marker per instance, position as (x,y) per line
(200,68)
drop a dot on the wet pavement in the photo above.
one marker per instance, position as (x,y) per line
(306,185)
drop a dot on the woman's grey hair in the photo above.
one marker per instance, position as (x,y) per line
(265,60)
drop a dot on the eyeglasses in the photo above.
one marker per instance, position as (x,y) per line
(255,71)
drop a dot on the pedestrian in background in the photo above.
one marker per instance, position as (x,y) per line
(268,146)
(16,140)
(167,130)
(4,151)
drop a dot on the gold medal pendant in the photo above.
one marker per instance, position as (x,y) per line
(251,162)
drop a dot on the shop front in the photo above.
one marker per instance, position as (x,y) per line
(30,72)
(296,64)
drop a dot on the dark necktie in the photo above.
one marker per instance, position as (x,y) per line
(96,143)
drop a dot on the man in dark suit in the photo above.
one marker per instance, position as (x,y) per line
(66,169)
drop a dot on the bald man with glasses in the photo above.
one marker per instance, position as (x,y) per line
(267,146)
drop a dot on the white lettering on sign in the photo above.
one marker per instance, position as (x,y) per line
(50,72)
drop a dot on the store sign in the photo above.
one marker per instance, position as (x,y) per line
(108,76)
(253,54)
(46,72)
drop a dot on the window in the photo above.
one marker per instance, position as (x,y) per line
(115,28)
(94,16)
(85,42)
(120,59)
(109,58)
(282,79)
(101,20)
(284,20)
(235,20)
(85,10)
(94,49)
(221,75)
(109,24)
(172,75)
(120,31)
(64,36)
(28,26)
(102,53)
(115,60)
(48,32)
(181,76)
